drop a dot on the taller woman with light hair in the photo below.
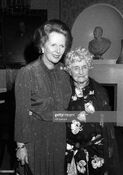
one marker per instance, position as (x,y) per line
(91,146)
(42,87)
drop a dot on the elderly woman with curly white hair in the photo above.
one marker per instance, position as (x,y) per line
(91,146)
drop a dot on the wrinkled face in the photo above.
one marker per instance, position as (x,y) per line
(54,48)
(79,71)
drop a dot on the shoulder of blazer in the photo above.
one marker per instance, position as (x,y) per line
(100,91)
(34,64)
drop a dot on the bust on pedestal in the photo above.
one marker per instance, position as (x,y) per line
(99,45)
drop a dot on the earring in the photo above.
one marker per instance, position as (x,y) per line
(42,50)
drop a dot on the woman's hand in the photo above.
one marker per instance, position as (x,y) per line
(22,154)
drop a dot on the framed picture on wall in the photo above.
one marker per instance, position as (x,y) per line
(18,32)
(1,41)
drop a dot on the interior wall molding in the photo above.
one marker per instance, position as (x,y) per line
(70,9)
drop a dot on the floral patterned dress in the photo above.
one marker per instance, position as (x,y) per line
(89,144)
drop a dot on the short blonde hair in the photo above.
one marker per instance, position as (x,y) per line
(41,34)
(78,55)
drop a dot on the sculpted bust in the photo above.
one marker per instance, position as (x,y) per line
(99,45)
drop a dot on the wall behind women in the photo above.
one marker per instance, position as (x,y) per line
(51,5)
(70,9)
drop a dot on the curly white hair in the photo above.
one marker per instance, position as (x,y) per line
(78,55)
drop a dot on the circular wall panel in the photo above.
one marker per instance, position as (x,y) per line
(104,15)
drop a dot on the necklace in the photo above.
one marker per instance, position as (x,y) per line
(87,94)
(79,88)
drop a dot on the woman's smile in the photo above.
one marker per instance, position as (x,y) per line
(54,48)
(56,56)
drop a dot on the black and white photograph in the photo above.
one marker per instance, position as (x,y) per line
(61,87)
